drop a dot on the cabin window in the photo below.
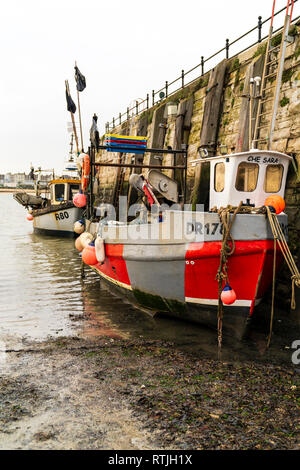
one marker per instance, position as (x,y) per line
(273,178)
(59,192)
(74,189)
(246,178)
(219,177)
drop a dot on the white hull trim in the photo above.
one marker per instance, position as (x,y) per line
(237,303)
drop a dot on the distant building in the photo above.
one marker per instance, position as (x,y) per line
(16,180)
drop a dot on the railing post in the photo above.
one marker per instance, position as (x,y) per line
(259,28)
(120,118)
(113,123)
(182,78)
(167,89)
(127,114)
(153,97)
(107,127)
(136,107)
(202,66)
(147,100)
(227,48)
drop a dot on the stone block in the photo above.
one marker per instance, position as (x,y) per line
(280,145)
(294,108)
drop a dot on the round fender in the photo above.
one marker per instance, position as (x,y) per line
(85,238)
(100,249)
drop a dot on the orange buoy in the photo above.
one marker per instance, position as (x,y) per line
(29,217)
(85,172)
(277,202)
(89,255)
(228,295)
(79,200)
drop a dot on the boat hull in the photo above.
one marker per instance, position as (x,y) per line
(57,221)
(179,277)
(186,287)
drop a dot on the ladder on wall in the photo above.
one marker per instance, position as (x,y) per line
(273,70)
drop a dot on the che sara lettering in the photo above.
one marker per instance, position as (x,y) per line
(258,159)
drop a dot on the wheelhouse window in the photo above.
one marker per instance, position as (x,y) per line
(219,177)
(59,192)
(74,189)
(247,176)
(273,178)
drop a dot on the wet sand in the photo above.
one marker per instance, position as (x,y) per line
(76,393)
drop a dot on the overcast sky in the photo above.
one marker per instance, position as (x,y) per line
(124,48)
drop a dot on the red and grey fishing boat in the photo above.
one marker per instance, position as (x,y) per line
(167,261)
(198,264)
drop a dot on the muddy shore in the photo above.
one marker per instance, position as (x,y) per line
(78,393)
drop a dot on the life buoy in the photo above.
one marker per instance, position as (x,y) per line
(85,172)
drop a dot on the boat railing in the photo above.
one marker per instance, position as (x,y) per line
(169,151)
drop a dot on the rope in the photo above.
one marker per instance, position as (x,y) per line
(273,293)
(225,252)
(228,248)
(295,275)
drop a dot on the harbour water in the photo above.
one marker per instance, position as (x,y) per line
(43,295)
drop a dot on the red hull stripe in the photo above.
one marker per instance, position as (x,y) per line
(249,271)
(114,267)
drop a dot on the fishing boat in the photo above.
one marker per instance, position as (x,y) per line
(51,208)
(210,266)
(169,262)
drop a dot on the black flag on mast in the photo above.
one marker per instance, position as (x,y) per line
(80,79)
(71,106)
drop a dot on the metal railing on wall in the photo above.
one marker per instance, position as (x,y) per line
(164,92)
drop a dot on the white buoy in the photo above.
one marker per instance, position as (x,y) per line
(85,239)
(79,227)
(100,249)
